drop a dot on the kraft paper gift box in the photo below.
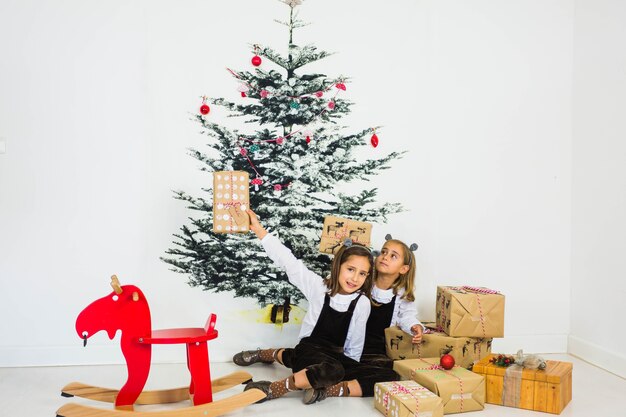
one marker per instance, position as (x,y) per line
(460,390)
(231,199)
(470,311)
(337,229)
(406,399)
(548,390)
(465,350)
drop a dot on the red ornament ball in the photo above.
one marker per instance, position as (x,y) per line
(308,139)
(374,140)
(319,94)
(341,86)
(446,361)
(205,109)
(331,105)
(256,60)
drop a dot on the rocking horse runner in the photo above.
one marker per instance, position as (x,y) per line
(126,309)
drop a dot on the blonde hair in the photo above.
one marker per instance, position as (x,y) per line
(342,255)
(404,281)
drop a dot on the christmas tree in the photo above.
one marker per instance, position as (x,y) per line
(296,155)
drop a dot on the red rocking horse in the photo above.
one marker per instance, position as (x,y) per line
(126,309)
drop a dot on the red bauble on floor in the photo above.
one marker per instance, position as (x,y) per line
(446,361)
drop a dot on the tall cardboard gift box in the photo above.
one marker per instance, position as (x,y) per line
(231,199)
(460,390)
(470,311)
(406,399)
(465,350)
(548,390)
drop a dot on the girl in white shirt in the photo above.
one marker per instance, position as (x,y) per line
(333,329)
(393,305)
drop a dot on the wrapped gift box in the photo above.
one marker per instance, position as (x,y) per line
(231,199)
(460,390)
(548,390)
(337,229)
(470,311)
(465,350)
(406,399)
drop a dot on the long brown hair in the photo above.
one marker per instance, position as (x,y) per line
(405,281)
(342,255)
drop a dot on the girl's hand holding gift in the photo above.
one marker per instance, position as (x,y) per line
(417,331)
(255,225)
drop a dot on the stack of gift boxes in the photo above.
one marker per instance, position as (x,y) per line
(468,318)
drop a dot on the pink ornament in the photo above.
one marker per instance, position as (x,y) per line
(331,105)
(263,93)
(341,86)
(319,94)
(243,151)
(280,140)
(278,187)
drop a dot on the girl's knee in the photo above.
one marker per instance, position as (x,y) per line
(325,374)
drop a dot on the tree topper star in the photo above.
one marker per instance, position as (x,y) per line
(292,3)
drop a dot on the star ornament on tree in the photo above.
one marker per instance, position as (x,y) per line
(292,3)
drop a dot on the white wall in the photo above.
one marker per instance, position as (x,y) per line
(599,185)
(95,104)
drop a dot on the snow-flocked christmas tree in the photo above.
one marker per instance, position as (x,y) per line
(296,155)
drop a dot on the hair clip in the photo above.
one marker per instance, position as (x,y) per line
(347,243)
(413,247)
(375,253)
(388,237)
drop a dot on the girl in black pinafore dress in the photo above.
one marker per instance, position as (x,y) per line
(393,304)
(333,329)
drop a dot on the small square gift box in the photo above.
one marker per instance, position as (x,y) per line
(435,343)
(460,390)
(406,399)
(231,199)
(470,311)
(548,390)
(337,229)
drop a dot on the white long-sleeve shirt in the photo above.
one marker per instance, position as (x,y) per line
(404,311)
(314,289)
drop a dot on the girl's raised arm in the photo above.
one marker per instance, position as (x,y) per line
(299,275)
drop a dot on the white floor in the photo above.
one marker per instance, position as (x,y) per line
(36,391)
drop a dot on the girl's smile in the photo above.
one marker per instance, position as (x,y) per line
(352,274)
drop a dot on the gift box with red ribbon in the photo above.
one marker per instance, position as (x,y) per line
(465,350)
(231,199)
(470,311)
(460,390)
(406,399)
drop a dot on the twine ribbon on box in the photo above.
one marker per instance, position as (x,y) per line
(232,204)
(398,389)
(435,367)
(476,291)
(512,383)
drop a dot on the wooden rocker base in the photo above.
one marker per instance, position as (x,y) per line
(212,409)
(165,396)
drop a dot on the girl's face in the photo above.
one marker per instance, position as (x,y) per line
(352,274)
(391,260)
